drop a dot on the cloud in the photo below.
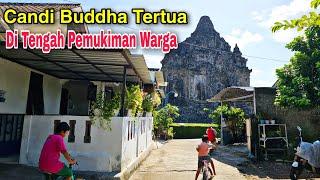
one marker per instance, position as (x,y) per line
(257,16)
(256,72)
(263,77)
(294,9)
(153,61)
(242,37)
(261,83)
(285,36)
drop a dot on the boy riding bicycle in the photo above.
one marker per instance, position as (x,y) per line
(203,154)
(50,153)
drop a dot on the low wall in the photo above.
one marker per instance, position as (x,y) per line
(308,120)
(107,151)
(137,137)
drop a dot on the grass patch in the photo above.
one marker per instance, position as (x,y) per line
(194,125)
(192,130)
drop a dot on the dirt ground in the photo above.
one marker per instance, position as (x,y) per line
(177,159)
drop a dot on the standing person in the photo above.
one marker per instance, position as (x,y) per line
(50,153)
(203,154)
(212,134)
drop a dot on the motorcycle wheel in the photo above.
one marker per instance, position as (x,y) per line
(293,175)
(295,172)
(206,174)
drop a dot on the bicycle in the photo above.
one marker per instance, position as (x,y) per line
(51,176)
(206,175)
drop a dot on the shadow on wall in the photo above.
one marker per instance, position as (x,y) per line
(308,120)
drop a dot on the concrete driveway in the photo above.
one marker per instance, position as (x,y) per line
(177,160)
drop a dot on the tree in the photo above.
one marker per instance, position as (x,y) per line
(305,21)
(163,118)
(299,81)
(234,117)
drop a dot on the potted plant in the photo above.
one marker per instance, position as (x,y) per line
(115,104)
(102,113)
(147,105)
(134,100)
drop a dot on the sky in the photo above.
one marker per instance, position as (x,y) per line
(245,22)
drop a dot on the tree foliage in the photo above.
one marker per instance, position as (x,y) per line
(164,117)
(299,81)
(233,114)
(102,111)
(134,98)
(305,21)
(234,118)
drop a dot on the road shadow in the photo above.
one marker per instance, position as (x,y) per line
(237,156)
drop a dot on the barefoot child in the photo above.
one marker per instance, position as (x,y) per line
(203,154)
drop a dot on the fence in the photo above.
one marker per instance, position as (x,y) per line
(94,148)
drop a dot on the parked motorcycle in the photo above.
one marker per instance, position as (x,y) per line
(307,154)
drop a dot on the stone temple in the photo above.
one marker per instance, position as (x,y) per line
(202,66)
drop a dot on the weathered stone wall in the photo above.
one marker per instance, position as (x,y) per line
(308,120)
(202,66)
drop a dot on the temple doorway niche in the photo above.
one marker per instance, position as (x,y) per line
(200,91)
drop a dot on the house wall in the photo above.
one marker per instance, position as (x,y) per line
(108,151)
(14,79)
(308,120)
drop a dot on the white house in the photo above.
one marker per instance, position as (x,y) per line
(38,90)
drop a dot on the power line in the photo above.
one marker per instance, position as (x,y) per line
(219,50)
(249,56)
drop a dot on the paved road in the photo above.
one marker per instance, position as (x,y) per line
(177,160)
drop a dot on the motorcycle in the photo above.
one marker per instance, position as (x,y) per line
(307,154)
(51,176)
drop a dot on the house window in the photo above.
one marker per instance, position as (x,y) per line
(71,137)
(87,136)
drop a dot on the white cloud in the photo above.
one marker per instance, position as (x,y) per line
(153,61)
(256,72)
(294,9)
(257,16)
(261,83)
(285,36)
(242,38)
(263,77)
(236,32)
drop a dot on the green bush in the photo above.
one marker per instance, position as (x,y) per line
(192,130)
(162,119)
